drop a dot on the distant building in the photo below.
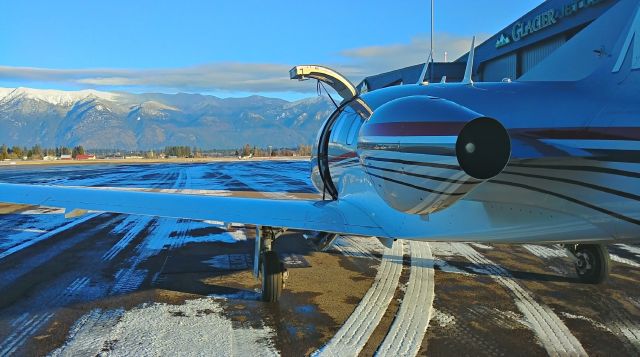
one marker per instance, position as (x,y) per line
(65,157)
(510,53)
(85,157)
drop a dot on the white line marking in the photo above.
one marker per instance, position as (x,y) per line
(355,332)
(410,325)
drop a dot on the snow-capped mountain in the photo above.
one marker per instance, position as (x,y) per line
(104,120)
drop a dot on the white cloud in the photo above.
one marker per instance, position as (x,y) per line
(243,77)
(378,59)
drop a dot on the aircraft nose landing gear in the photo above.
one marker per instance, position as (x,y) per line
(267,264)
(591,261)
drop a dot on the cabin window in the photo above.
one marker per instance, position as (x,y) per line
(355,129)
(349,119)
(345,130)
(337,128)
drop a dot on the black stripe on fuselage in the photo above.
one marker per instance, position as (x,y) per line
(570,199)
(603,170)
(429,177)
(409,148)
(597,169)
(528,187)
(418,187)
(345,163)
(632,156)
(579,183)
(415,163)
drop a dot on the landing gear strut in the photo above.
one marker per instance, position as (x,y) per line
(591,261)
(267,265)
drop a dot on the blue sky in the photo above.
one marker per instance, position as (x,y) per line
(228,48)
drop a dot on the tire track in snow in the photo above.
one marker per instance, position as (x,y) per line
(543,252)
(27,324)
(411,323)
(355,332)
(84,335)
(552,333)
(133,225)
(626,330)
(23,332)
(47,235)
(614,317)
(353,247)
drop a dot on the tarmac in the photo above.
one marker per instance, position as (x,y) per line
(114,284)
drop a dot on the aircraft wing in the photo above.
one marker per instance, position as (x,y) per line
(327,216)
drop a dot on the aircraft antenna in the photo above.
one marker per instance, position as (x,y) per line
(431,51)
(469,70)
(430,58)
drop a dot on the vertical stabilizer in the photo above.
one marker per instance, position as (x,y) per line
(608,47)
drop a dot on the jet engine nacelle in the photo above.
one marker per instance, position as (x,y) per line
(422,153)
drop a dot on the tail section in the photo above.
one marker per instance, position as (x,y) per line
(607,50)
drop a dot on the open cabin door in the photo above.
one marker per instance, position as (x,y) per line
(350,97)
(335,80)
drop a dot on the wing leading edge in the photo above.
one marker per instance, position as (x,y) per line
(328,216)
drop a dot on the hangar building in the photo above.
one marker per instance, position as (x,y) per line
(510,53)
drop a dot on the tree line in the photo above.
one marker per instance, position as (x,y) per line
(37,152)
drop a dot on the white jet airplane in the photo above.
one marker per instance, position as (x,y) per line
(551,158)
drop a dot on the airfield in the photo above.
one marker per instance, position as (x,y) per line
(112,284)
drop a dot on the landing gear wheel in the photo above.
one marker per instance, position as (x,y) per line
(272,277)
(592,264)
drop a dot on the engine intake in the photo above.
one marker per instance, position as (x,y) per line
(423,154)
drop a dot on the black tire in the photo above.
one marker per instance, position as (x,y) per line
(272,282)
(593,263)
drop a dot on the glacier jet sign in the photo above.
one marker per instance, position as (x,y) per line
(547,18)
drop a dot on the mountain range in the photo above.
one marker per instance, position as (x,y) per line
(104,120)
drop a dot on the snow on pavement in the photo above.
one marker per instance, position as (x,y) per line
(355,332)
(545,252)
(27,324)
(410,325)
(196,328)
(549,329)
(361,247)
(26,239)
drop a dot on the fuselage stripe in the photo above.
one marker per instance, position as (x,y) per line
(418,187)
(416,148)
(604,170)
(429,177)
(415,163)
(524,186)
(570,199)
(438,128)
(579,183)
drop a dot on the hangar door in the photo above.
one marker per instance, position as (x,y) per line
(497,69)
(535,54)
